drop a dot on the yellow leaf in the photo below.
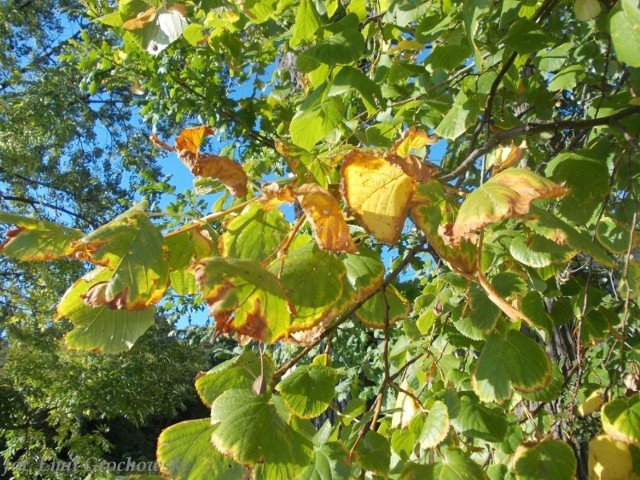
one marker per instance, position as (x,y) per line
(329,226)
(378,192)
(586,9)
(413,139)
(592,403)
(609,459)
(190,139)
(506,157)
(407,408)
(141,20)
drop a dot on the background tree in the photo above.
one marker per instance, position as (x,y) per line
(501,337)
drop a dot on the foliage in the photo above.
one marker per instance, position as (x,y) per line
(510,229)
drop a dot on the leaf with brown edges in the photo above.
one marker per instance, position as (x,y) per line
(323,211)
(509,194)
(413,139)
(378,191)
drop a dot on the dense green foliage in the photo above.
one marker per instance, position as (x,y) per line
(500,340)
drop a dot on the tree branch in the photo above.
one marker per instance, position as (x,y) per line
(33,202)
(533,128)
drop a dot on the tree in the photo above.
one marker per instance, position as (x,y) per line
(500,342)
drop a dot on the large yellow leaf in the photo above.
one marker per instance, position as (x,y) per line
(609,459)
(378,192)
(509,194)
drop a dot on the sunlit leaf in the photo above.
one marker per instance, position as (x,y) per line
(238,372)
(141,20)
(432,208)
(609,459)
(254,234)
(183,248)
(244,298)
(623,25)
(132,249)
(101,329)
(413,139)
(311,305)
(377,192)
(308,390)
(185,452)
(621,419)
(323,211)
(509,194)
(247,428)
(308,127)
(454,466)
(431,427)
(548,459)
(537,251)
(36,240)
(306,23)
(586,9)
(381,310)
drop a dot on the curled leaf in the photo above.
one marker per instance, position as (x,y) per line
(378,192)
(507,195)
(329,226)
(413,139)
(506,157)
(273,195)
(188,143)
(141,20)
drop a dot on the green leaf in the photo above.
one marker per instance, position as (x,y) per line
(373,453)
(308,390)
(260,10)
(133,251)
(613,235)
(537,251)
(476,420)
(185,452)
(531,305)
(549,459)
(308,127)
(550,226)
(551,391)
(587,180)
(193,34)
(253,295)
(454,466)
(342,48)
(182,249)
(471,13)
(621,419)
(101,329)
(247,428)
(329,463)
(36,240)
(237,372)
(480,314)
(379,310)
(254,234)
(554,59)
(306,24)
(567,78)
(506,195)
(352,79)
(459,118)
(431,428)
(311,305)
(529,368)
(624,26)
(525,36)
